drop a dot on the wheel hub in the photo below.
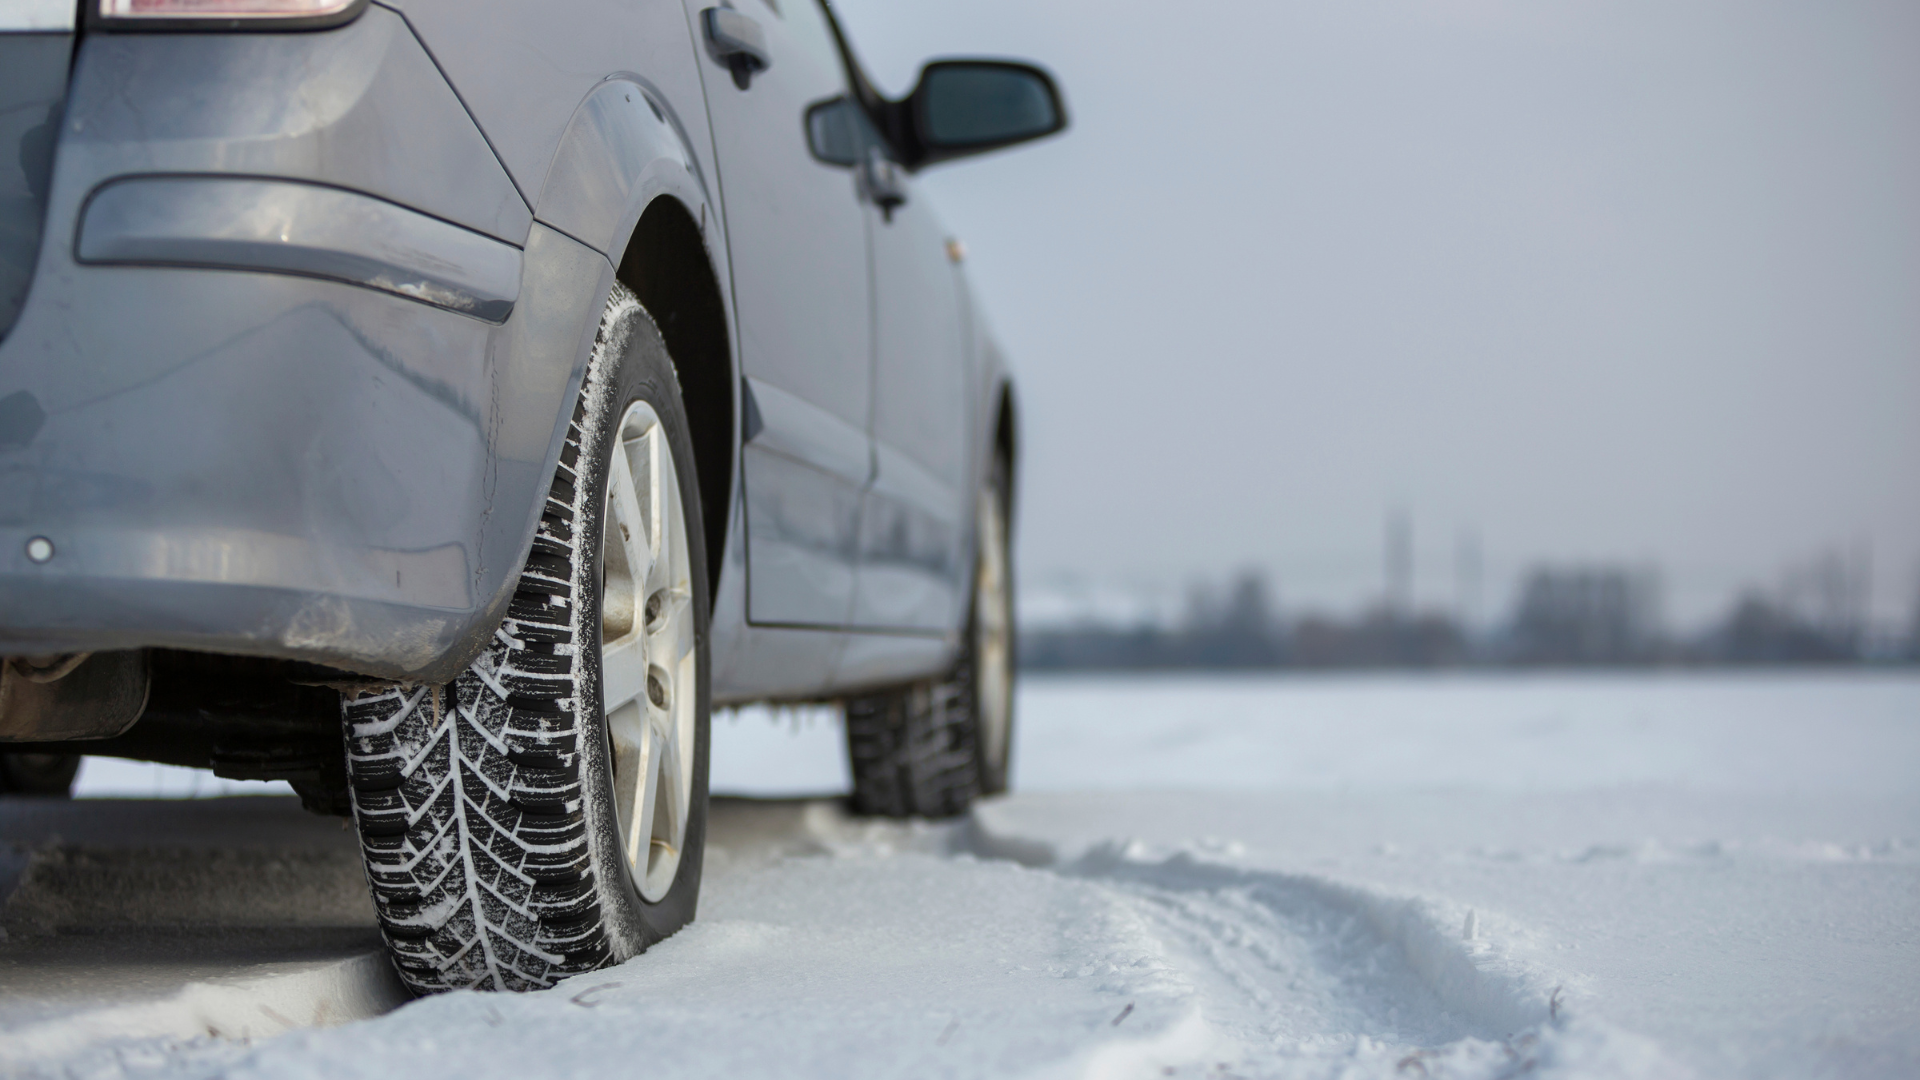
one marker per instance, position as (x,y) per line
(993,634)
(647,655)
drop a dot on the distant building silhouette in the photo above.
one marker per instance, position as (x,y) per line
(1585,615)
(1594,615)
(1242,632)
(1098,648)
(1828,594)
(1913,633)
(1817,615)
(1380,638)
(1761,630)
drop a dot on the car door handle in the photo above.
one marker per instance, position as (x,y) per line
(738,42)
(880,181)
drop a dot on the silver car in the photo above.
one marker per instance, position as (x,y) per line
(443,405)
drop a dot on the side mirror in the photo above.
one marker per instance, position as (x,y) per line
(965,107)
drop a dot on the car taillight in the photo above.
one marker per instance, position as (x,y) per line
(170,11)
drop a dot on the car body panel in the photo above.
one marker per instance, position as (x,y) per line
(909,549)
(33,87)
(804,470)
(622,148)
(308,469)
(796,238)
(873,659)
(912,567)
(277,464)
(289,227)
(361,107)
(406,574)
(523,69)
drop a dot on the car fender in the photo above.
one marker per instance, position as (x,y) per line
(995,405)
(623,148)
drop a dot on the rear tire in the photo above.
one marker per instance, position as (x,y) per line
(492,816)
(930,749)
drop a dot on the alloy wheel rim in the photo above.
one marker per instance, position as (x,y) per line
(993,635)
(648,673)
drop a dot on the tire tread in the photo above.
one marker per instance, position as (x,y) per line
(912,750)
(468,797)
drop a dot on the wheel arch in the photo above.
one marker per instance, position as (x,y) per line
(1006,441)
(626,181)
(665,263)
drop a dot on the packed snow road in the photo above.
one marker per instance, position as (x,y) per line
(1566,878)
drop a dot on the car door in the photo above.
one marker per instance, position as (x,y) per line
(796,233)
(913,564)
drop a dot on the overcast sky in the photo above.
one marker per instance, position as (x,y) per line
(1628,281)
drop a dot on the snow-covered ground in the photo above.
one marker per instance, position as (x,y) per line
(1609,876)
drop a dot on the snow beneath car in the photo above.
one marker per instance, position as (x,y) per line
(1280,878)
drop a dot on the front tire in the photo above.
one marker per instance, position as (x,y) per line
(545,814)
(932,748)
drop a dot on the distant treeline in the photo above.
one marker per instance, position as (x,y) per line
(1582,617)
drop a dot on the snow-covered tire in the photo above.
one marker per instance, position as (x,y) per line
(931,748)
(487,808)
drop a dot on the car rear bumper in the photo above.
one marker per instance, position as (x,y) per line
(246,463)
(274,441)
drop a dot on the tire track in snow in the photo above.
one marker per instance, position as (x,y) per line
(1284,968)
(1379,964)
(831,946)
(1301,975)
